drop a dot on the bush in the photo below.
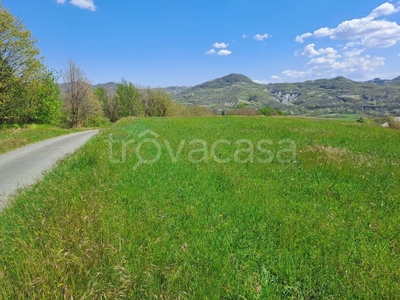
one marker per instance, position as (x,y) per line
(97,121)
(268,111)
(366,120)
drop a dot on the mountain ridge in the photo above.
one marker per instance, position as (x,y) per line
(380,96)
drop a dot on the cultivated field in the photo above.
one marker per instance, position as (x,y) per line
(217,208)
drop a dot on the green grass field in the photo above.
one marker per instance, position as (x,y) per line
(347,117)
(14,138)
(207,220)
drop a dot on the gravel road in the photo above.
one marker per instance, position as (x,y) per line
(24,166)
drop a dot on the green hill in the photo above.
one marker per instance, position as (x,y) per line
(227,92)
(325,95)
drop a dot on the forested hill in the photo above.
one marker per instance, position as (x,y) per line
(377,95)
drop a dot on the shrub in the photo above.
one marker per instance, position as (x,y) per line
(97,121)
(268,111)
(366,120)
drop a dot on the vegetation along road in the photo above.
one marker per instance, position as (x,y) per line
(24,166)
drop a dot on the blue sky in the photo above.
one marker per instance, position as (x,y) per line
(175,42)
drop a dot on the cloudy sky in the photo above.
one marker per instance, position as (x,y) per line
(176,42)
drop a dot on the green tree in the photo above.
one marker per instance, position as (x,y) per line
(106,95)
(241,104)
(43,99)
(128,101)
(27,90)
(158,103)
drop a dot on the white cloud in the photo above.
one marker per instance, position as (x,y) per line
(220,45)
(84,4)
(310,51)
(351,45)
(300,38)
(224,52)
(367,31)
(354,52)
(368,63)
(347,65)
(371,33)
(384,10)
(296,74)
(261,37)
(325,63)
(260,81)
(360,35)
(244,36)
(211,51)
(325,31)
(274,77)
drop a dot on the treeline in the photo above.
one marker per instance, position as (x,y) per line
(126,99)
(30,93)
(88,106)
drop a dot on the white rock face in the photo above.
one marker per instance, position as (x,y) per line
(284,97)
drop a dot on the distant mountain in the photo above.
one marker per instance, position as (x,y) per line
(395,81)
(227,92)
(226,81)
(171,89)
(111,85)
(176,89)
(340,93)
(378,81)
(336,94)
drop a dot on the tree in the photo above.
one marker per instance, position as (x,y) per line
(128,100)
(28,91)
(106,95)
(80,102)
(43,103)
(158,103)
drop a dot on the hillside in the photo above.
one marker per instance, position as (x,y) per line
(227,92)
(327,95)
(380,97)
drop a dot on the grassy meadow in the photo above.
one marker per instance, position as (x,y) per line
(13,138)
(205,220)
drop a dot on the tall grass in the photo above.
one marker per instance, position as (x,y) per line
(325,226)
(15,137)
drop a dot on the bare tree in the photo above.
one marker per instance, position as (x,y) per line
(80,102)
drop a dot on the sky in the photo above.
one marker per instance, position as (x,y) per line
(161,43)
